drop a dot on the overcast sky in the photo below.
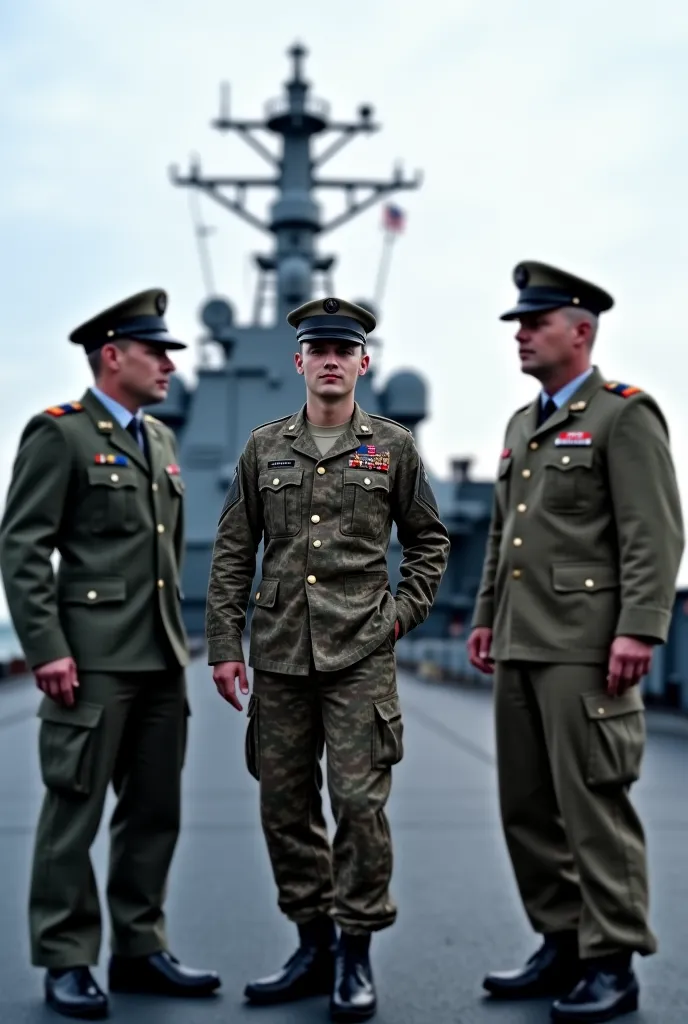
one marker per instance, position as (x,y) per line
(551,131)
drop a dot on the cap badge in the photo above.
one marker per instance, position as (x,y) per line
(160,303)
(331,306)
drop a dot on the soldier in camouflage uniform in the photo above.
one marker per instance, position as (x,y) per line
(578,587)
(97,481)
(322,487)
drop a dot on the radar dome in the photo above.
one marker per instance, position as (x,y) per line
(217,314)
(405,396)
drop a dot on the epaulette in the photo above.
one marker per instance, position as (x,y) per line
(625,390)
(150,419)
(65,409)
(280,419)
(386,419)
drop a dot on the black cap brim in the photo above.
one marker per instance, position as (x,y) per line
(524,308)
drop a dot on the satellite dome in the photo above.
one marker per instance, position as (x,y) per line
(217,314)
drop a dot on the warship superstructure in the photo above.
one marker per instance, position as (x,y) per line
(254,381)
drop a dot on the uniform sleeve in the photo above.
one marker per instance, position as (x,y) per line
(29,534)
(233,565)
(423,537)
(648,516)
(483,614)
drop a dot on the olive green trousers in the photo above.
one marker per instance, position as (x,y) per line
(567,756)
(128,730)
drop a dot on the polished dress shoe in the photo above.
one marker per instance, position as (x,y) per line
(159,974)
(353,996)
(308,972)
(74,992)
(608,990)
(551,971)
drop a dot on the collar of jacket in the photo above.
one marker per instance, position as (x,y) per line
(361,423)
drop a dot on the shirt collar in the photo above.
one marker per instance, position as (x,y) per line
(567,391)
(122,415)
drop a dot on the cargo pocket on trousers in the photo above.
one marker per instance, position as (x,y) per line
(67,746)
(252,741)
(616,738)
(388,732)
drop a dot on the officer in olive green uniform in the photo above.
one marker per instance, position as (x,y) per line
(578,584)
(323,498)
(98,482)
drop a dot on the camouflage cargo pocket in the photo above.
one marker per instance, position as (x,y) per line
(67,746)
(388,732)
(252,740)
(616,738)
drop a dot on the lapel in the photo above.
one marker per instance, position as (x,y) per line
(117,435)
(155,447)
(571,408)
(361,428)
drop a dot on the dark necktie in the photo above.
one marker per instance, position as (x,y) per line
(545,411)
(137,431)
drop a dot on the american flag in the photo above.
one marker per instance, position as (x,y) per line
(393,218)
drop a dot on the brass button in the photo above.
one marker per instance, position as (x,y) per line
(321,470)
(258,596)
(600,711)
(315,519)
(525,473)
(292,425)
(311,579)
(317,543)
(521,507)
(566,459)
(154,487)
(275,481)
(114,477)
(364,429)
(516,574)
(161,528)
(590,583)
(534,446)
(92,595)
(366,481)
(517,542)
(161,584)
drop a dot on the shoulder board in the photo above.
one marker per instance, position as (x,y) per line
(65,409)
(282,419)
(386,419)
(625,390)
(152,419)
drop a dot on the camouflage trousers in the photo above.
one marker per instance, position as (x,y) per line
(355,715)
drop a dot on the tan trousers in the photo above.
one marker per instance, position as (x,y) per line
(567,756)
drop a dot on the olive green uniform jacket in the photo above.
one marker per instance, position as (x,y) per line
(587,535)
(326,523)
(114,603)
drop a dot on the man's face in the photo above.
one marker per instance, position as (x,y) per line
(331,367)
(548,341)
(142,371)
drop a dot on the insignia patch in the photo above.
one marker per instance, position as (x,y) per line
(104,424)
(173,469)
(573,438)
(625,390)
(65,409)
(281,463)
(111,460)
(506,452)
(368,457)
(233,494)
(424,493)
(578,406)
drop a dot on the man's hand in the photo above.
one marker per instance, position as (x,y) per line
(479,644)
(224,677)
(58,680)
(629,661)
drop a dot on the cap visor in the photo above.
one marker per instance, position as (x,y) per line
(160,339)
(530,307)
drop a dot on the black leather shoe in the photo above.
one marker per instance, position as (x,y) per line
(353,996)
(608,990)
(551,971)
(74,992)
(308,972)
(160,974)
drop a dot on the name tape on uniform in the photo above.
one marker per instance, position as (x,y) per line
(281,463)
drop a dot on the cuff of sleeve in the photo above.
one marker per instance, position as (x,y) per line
(483,616)
(403,618)
(50,648)
(649,622)
(224,648)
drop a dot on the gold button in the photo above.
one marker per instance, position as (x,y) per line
(566,459)
(114,477)
(364,429)
(161,528)
(275,481)
(534,446)
(517,542)
(315,519)
(521,507)
(600,711)
(258,596)
(92,595)
(516,574)
(292,426)
(311,579)
(525,473)
(161,584)
(590,583)
(317,543)
(366,481)
(155,487)
(321,470)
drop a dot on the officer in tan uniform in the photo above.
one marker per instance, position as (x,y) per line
(98,482)
(578,587)
(321,488)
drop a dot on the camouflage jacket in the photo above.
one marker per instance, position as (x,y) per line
(326,523)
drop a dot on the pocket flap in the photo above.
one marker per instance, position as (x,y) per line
(504,465)
(601,705)
(83,715)
(111,476)
(389,708)
(571,578)
(278,479)
(566,458)
(110,590)
(266,595)
(368,479)
(176,482)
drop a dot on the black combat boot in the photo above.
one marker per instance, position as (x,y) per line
(308,972)
(353,994)
(551,971)
(608,990)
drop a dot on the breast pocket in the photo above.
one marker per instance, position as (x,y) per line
(112,505)
(570,485)
(281,492)
(365,502)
